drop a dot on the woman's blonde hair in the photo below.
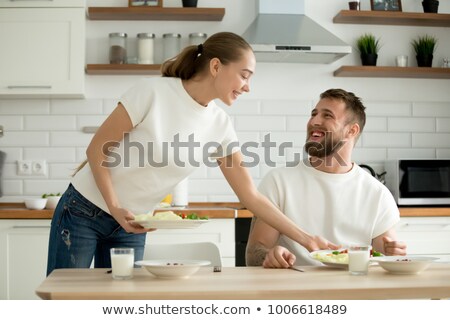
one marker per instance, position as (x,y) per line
(225,46)
(80,166)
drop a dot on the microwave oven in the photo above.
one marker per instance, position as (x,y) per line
(415,182)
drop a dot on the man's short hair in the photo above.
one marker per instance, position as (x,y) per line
(352,103)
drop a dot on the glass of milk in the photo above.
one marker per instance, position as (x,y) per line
(358,259)
(122,262)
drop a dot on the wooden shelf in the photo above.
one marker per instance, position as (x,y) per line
(393,18)
(156,13)
(393,72)
(123,69)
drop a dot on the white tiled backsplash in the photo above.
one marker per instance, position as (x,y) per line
(51,130)
(406,117)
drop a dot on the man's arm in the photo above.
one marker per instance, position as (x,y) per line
(262,248)
(261,239)
(385,244)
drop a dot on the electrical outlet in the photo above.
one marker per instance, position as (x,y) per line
(24,167)
(39,167)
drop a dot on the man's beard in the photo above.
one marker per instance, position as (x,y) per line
(327,147)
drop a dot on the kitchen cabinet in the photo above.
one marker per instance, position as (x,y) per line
(42,48)
(23,252)
(426,236)
(398,19)
(145,13)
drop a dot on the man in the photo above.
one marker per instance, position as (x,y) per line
(327,194)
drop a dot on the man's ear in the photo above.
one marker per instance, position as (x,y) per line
(354,130)
(214,66)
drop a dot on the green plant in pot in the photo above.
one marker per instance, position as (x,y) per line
(424,48)
(368,47)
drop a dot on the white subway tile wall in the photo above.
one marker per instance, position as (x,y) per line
(52,130)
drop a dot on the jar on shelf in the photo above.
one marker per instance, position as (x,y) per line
(145,45)
(171,45)
(197,38)
(117,48)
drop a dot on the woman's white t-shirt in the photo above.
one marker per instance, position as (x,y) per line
(349,208)
(172,136)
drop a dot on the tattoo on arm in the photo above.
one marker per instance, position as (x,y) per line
(255,254)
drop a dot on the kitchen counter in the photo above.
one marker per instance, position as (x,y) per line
(214,210)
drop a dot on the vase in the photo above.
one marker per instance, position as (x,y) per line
(189,3)
(430,6)
(369,59)
(425,60)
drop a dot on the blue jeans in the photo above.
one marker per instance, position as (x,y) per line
(80,230)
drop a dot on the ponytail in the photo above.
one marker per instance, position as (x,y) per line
(79,167)
(225,46)
(184,65)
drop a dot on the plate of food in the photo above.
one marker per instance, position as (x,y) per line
(331,258)
(404,264)
(336,258)
(170,269)
(170,220)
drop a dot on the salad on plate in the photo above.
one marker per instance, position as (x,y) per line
(337,258)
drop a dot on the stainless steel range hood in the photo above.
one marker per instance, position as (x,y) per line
(283,33)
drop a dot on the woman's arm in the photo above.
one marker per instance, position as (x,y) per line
(109,134)
(242,184)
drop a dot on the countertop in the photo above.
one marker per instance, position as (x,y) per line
(213,210)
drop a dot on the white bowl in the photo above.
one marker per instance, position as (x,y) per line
(404,264)
(170,269)
(52,202)
(36,203)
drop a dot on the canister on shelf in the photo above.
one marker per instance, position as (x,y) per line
(197,38)
(171,45)
(117,48)
(145,48)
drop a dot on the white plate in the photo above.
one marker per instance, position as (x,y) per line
(172,224)
(404,264)
(325,256)
(172,268)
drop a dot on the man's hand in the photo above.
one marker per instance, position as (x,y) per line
(393,248)
(279,257)
(319,243)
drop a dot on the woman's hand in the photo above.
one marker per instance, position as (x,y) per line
(126,220)
(319,243)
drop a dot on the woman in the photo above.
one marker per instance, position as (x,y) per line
(159,133)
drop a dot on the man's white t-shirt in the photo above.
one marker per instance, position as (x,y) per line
(349,208)
(172,136)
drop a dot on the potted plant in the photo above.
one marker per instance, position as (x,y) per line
(368,47)
(424,48)
(430,6)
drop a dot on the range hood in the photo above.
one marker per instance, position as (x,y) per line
(283,33)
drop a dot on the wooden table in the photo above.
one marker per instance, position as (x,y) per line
(249,283)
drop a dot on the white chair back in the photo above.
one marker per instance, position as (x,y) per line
(188,251)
